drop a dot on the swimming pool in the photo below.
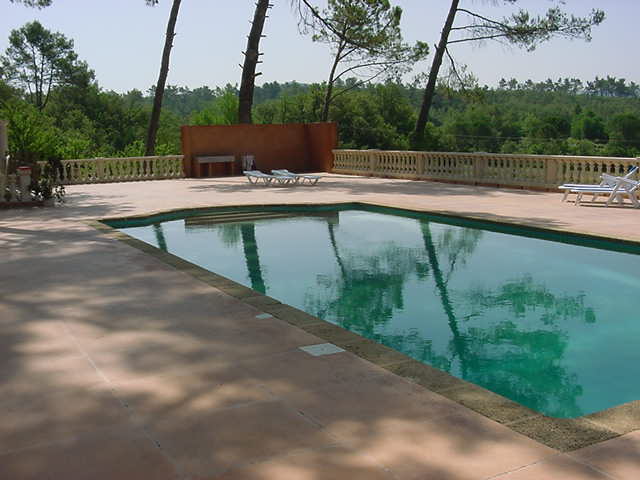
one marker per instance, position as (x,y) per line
(552,325)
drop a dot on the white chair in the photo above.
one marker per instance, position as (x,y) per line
(297,177)
(256,176)
(607,181)
(623,187)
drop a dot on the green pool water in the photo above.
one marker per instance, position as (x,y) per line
(553,325)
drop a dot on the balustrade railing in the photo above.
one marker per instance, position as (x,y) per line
(9,188)
(14,188)
(130,169)
(528,171)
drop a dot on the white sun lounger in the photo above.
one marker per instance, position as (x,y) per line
(256,176)
(623,187)
(297,177)
(607,181)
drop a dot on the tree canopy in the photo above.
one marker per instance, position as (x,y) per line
(521,29)
(48,87)
(34,3)
(365,39)
(38,60)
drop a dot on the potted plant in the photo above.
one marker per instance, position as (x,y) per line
(46,186)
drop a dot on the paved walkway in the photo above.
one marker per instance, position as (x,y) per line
(113,365)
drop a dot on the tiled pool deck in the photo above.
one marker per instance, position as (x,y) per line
(115,364)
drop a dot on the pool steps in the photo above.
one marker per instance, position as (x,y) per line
(231,217)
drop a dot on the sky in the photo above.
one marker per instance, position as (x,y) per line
(122,41)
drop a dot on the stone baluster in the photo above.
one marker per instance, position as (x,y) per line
(100,169)
(170,167)
(82,172)
(71,172)
(478,168)
(373,161)
(420,163)
(154,167)
(3,187)
(11,183)
(24,180)
(551,172)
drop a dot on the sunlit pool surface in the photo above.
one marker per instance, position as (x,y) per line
(553,326)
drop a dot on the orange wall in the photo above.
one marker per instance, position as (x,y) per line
(297,147)
(322,138)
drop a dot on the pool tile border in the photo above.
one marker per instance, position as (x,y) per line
(564,435)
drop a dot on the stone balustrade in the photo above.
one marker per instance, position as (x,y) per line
(15,189)
(130,169)
(9,189)
(511,170)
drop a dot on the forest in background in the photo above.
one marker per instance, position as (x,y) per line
(56,108)
(566,116)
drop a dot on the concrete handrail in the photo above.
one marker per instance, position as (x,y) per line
(129,169)
(513,170)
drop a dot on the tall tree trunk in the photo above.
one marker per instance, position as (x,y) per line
(327,102)
(430,89)
(150,148)
(327,97)
(251,56)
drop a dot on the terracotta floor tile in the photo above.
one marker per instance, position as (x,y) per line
(35,375)
(379,397)
(333,463)
(122,358)
(207,311)
(127,355)
(456,447)
(296,370)
(619,457)
(36,337)
(191,391)
(91,331)
(209,442)
(126,341)
(558,467)
(53,416)
(256,338)
(217,318)
(112,454)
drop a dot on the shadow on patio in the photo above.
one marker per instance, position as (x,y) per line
(117,366)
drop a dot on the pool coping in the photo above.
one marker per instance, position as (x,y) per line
(564,435)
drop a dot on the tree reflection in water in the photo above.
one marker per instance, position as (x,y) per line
(490,344)
(368,287)
(520,352)
(231,234)
(250,248)
(160,238)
